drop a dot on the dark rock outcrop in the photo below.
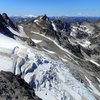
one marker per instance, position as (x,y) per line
(30,42)
(14,88)
(4,30)
(6,22)
(9,21)
(2,20)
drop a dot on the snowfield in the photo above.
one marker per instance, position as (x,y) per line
(50,78)
(5,63)
(8,43)
(20,33)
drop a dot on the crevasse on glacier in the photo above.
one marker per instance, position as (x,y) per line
(50,78)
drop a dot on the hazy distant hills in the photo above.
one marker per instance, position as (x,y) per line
(64,18)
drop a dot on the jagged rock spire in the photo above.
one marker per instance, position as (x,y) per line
(2,20)
(8,21)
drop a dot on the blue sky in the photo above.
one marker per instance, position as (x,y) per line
(51,7)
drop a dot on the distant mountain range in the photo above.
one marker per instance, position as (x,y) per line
(64,18)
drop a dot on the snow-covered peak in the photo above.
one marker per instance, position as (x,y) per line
(30,16)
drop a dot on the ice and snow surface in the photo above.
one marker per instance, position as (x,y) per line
(13,31)
(51,79)
(30,16)
(5,63)
(49,51)
(36,41)
(6,42)
(64,60)
(85,43)
(36,21)
(94,62)
(20,33)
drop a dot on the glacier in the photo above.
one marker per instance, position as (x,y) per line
(49,76)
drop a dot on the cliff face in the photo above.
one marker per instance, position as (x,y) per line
(14,88)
